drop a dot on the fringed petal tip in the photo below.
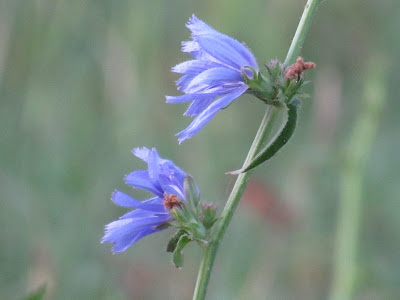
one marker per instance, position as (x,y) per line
(181,139)
(193,20)
(141,152)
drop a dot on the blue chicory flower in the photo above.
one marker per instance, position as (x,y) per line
(214,78)
(162,178)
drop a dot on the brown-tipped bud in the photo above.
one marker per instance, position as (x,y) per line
(171,201)
(295,71)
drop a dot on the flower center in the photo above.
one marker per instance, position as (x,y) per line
(171,200)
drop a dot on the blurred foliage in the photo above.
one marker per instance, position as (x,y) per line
(82,82)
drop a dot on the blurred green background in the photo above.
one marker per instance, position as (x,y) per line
(82,82)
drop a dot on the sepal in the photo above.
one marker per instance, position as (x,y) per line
(191,193)
(259,85)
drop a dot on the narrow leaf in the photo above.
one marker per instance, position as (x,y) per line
(278,141)
(174,240)
(177,257)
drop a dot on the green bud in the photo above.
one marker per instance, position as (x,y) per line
(197,230)
(209,212)
(260,86)
(275,70)
(292,87)
(179,215)
(192,194)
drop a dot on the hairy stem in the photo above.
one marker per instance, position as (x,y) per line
(264,130)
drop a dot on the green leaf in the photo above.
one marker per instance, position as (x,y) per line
(174,240)
(278,141)
(38,294)
(177,257)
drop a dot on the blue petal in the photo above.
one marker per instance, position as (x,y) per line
(175,190)
(195,50)
(212,77)
(153,161)
(209,112)
(221,46)
(190,47)
(172,171)
(123,233)
(124,200)
(138,214)
(198,106)
(194,67)
(190,97)
(155,165)
(154,204)
(210,92)
(120,228)
(221,51)
(141,153)
(142,180)
(184,81)
(128,240)
(176,177)
(157,168)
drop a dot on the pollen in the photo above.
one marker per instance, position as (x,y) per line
(296,70)
(171,200)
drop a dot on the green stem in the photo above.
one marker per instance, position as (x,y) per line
(230,206)
(350,207)
(265,128)
(301,32)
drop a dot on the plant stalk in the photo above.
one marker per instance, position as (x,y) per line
(264,130)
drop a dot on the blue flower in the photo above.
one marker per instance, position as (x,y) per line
(214,78)
(162,178)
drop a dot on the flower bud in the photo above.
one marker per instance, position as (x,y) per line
(275,70)
(191,193)
(208,215)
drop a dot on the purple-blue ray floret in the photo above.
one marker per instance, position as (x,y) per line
(213,79)
(161,177)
